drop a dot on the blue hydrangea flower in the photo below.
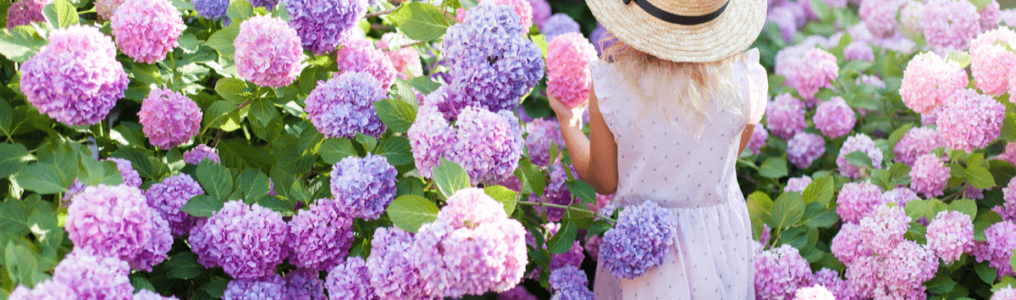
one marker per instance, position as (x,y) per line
(639,240)
(268,288)
(363,186)
(319,237)
(344,106)
(211,9)
(559,24)
(323,25)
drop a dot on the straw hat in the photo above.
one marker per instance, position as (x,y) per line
(683,30)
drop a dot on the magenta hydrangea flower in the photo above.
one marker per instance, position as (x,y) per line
(779,272)
(267,52)
(320,236)
(519,292)
(950,25)
(168,197)
(834,117)
(819,72)
(990,65)
(523,9)
(144,294)
(169,118)
(1008,208)
(146,30)
(155,251)
(472,247)
(1006,293)
(997,249)
(804,148)
(359,55)
(859,142)
(856,200)
(488,145)
(883,228)
(929,175)
(247,241)
(25,12)
(105,8)
(950,235)
(350,280)
(758,139)
(111,221)
(211,9)
(929,80)
(85,86)
(344,106)
(847,245)
(859,50)
(542,133)
(45,290)
(568,73)
(323,25)
(305,284)
(405,59)
(783,17)
(200,153)
(916,142)
(93,276)
(639,241)
(431,138)
(559,24)
(785,116)
(1009,155)
(127,172)
(880,17)
(392,273)
(899,274)
(267,288)
(991,16)
(491,62)
(970,120)
(900,196)
(797,184)
(831,281)
(541,12)
(363,187)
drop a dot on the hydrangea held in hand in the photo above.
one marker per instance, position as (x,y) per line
(758,139)
(363,187)
(25,12)
(797,184)
(542,133)
(319,237)
(487,145)
(268,288)
(639,241)
(200,153)
(168,197)
(267,52)
(859,142)
(780,272)
(111,221)
(916,142)
(834,117)
(950,235)
(929,175)
(568,72)
(211,9)
(85,86)
(970,120)
(883,228)
(344,106)
(856,200)
(169,118)
(950,25)
(359,55)
(804,148)
(146,30)
(392,273)
(93,276)
(819,72)
(304,284)
(997,250)
(785,116)
(929,80)
(323,25)
(247,241)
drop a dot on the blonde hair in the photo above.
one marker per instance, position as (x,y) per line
(644,73)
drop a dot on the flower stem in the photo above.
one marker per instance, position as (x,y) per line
(380,13)
(530,203)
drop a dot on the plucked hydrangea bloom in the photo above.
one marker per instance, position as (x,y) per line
(350,280)
(523,9)
(144,294)
(542,133)
(392,273)
(568,75)
(169,118)
(570,283)
(93,277)
(639,240)
(211,9)
(200,153)
(916,142)
(85,86)
(319,237)
(1008,208)
(929,80)
(247,241)
(146,30)
(268,288)
(472,247)
(785,116)
(856,200)
(797,184)
(816,292)
(491,61)
(950,25)
(323,25)
(929,175)
(896,275)
(819,72)
(541,12)
(559,24)
(997,250)
(359,55)
(155,251)
(883,228)
(45,290)
(105,8)
(758,139)
(804,148)
(990,65)
(304,284)
(267,52)
(25,12)
(487,145)
(900,196)
(831,281)
(363,187)
(344,106)
(860,142)
(779,272)
(858,50)
(847,245)
(970,120)
(834,118)
(112,221)
(1006,293)
(430,138)
(950,235)
(880,17)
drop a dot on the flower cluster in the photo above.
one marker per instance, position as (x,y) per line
(110,221)
(929,175)
(304,284)
(211,9)
(488,145)
(541,134)
(950,235)
(859,50)
(758,139)
(359,55)
(247,241)
(950,25)
(834,118)
(831,280)
(155,251)
(323,25)
(127,172)
(970,120)
(541,12)
(169,118)
(785,116)
(780,272)
(570,283)
(392,273)
(997,249)
(344,106)
(200,153)
(929,80)
(900,196)
(28,11)
(405,59)
(847,245)
(804,148)
(82,275)
(880,17)
(816,292)
(899,274)
(350,280)
(639,241)
(559,24)
(856,200)
(523,8)
(267,52)
(265,288)
(431,138)
(146,30)
(1008,208)
(860,142)
(568,73)
(797,184)
(363,187)
(991,63)
(1006,293)
(916,142)
(819,72)
(883,228)
(319,237)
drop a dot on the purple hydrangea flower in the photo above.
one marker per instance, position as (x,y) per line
(856,200)
(847,245)
(819,72)
(267,51)
(270,287)
(883,228)
(25,12)
(797,184)
(779,272)
(950,25)
(344,106)
(446,101)
(917,142)
(431,138)
(359,55)
(783,17)
(859,50)
(541,134)
(834,118)
(880,17)
(146,30)
(93,276)
(639,241)
(211,9)
(305,284)
(45,290)
(900,196)
(200,153)
(570,283)
(950,235)
(970,120)
(168,197)
(1008,208)
(112,221)
(805,148)
(488,145)
(831,280)
(785,116)
(991,16)
(601,39)
(519,292)
(319,238)
(363,187)
(1009,155)
(247,241)
(169,118)
(157,248)
(268,4)
(929,175)
(323,25)
(350,281)
(127,172)
(541,12)
(899,274)
(859,142)
(392,273)
(997,250)
(144,294)
(85,86)
(522,8)
(758,139)
(559,24)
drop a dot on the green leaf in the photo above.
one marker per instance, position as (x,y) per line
(821,9)
(141,283)
(787,210)
(469,4)
(817,216)
(283,181)
(859,159)
(274,203)
(450,178)
(882,179)
(21,43)
(598,228)
(1002,171)
(60,14)
(580,214)
(980,177)
(146,73)
(46,178)
(424,84)
(819,190)
(334,150)
(420,21)
(368,142)
(263,111)
(582,190)
(773,167)
(404,92)
(398,115)
(1008,132)
(1012,261)
(505,196)
(960,57)
(13,158)
(93,172)
(299,192)
(217,286)
(534,177)
(215,179)
(202,206)
(796,237)
(282,13)
(396,149)
(941,284)
(143,162)
(985,272)
(21,264)
(232,90)
(541,42)
(898,134)
(759,205)
(183,265)
(966,206)
(218,114)
(564,240)
(239,10)
(253,184)
(222,40)
(1006,281)
(408,212)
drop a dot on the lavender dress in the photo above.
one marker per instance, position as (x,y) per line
(713,253)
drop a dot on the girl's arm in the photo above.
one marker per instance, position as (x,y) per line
(745,137)
(594,158)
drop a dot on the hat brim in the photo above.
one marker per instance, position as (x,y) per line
(731,33)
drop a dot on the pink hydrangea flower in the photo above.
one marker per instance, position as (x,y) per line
(950,25)
(991,66)
(970,120)
(785,116)
(780,272)
(856,200)
(797,184)
(847,245)
(110,221)
(25,12)
(169,118)
(488,145)
(950,235)
(392,273)
(910,16)
(871,80)
(804,148)
(831,280)
(834,118)
(883,228)
(1010,154)
(157,248)
(93,276)
(990,37)
(1006,293)
(431,138)
(899,274)
(900,196)
(568,73)
(319,237)
(1008,208)
(267,52)
(997,250)
(859,50)
(200,153)
(929,80)
(169,196)
(991,16)
(405,60)
(860,142)
(929,175)
(916,142)
(819,72)
(758,139)
(146,30)
(359,55)
(880,16)
(816,292)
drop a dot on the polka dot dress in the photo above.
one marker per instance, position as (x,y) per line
(665,161)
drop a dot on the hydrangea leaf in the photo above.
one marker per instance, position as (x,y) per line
(232,90)
(941,284)
(240,10)
(92,172)
(202,206)
(333,150)
(420,21)
(60,14)
(979,177)
(424,84)
(398,115)
(859,159)
(20,263)
(788,209)
(55,171)
(217,286)
(773,167)
(396,149)
(564,239)
(819,190)
(183,265)
(222,40)
(450,177)
(1002,171)
(505,196)
(409,212)
(13,159)
(253,184)
(582,190)
(141,283)
(985,272)
(817,216)
(215,179)
(966,206)
(535,179)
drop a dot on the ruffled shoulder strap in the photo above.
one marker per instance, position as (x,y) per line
(604,85)
(758,85)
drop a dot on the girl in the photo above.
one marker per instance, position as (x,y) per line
(674,102)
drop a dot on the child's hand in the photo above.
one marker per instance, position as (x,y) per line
(567,117)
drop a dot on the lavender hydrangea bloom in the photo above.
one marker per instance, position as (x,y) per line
(883,228)
(570,283)
(269,4)
(491,62)
(917,142)
(157,248)
(847,245)
(950,235)
(859,142)
(169,118)
(950,25)
(859,50)
(518,292)
(929,175)
(899,274)
(168,197)
(856,200)
(344,106)
(146,30)
(211,9)
(797,184)
(25,12)
(805,148)
(319,237)
(323,25)
(900,196)
(834,118)
(758,139)
(247,241)
(487,145)
(446,101)
(305,284)
(363,187)
(431,138)
(392,273)
(92,276)
(785,116)
(970,121)
(45,290)
(997,250)
(359,55)
(144,294)
(541,134)
(267,51)
(780,272)
(200,153)
(127,172)
(85,86)
(270,287)
(639,241)
(112,221)
(541,12)
(831,280)
(601,39)
(350,280)
(1008,208)
(559,24)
